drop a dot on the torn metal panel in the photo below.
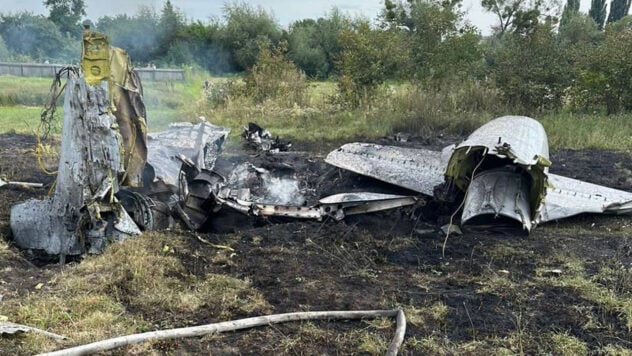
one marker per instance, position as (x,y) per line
(415,169)
(83,211)
(126,96)
(515,140)
(201,143)
(567,197)
(520,138)
(340,205)
(496,195)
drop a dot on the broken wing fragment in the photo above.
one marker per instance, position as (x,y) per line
(567,197)
(502,168)
(419,170)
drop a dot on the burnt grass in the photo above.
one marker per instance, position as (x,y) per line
(491,285)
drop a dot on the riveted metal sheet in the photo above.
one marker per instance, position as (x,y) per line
(567,197)
(525,136)
(415,169)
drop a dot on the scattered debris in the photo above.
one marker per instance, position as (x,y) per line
(10,328)
(261,139)
(21,184)
(551,272)
(451,229)
(115,181)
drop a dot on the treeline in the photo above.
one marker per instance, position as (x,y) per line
(539,57)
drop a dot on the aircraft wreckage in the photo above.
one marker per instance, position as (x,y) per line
(114,180)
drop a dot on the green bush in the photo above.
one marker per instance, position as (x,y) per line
(275,77)
(604,72)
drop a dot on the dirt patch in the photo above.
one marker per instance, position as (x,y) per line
(487,293)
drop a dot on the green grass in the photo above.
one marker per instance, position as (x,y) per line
(567,130)
(92,300)
(22,119)
(398,107)
(23,91)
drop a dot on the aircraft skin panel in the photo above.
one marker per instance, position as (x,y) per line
(525,136)
(419,170)
(567,197)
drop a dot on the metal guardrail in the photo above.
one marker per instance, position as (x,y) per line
(49,70)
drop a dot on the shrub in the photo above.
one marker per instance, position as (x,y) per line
(275,77)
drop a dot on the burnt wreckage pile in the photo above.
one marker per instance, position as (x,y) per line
(114,180)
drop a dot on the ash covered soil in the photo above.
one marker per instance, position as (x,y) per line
(484,293)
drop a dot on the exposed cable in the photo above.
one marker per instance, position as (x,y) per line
(447,234)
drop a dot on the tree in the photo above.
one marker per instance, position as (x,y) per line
(439,43)
(274,76)
(139,35)
(530,69)
(369,57)
(604,72)
(314,45)
(519,15)
(66,14)
(571,9)
(171,24)
(579,31)
(305,49)
(34,36)
(203,44)
(598,12)
(5,55)
(618,10)
(245,30)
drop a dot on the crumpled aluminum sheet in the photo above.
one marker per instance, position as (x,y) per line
(528,139)
(498,192)
(201,143)
(419,170)
(567,197)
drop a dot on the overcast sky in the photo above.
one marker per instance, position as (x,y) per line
(285,11)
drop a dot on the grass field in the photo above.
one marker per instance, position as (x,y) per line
(487,295)
(398,108)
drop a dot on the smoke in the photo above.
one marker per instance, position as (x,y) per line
(265,186)
(283,191)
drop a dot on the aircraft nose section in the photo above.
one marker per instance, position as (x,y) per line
(497,199)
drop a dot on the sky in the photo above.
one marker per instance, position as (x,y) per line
(285,11)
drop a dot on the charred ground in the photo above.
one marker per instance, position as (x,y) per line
(565,289)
